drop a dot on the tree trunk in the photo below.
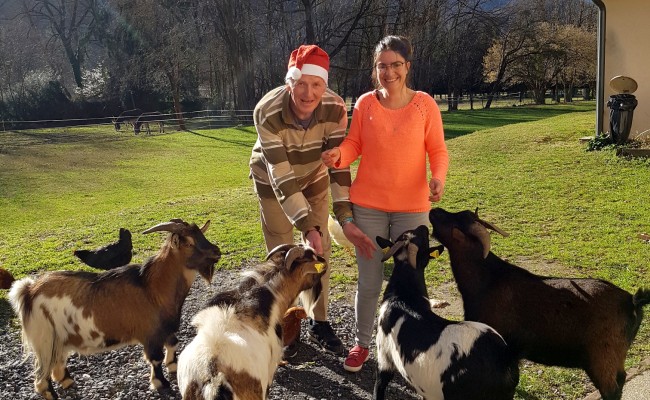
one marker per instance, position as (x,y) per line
(310,37)
(176,94)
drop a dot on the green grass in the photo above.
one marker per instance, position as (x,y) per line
(569,212)
(464,121)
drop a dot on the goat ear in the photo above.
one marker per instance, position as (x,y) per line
(435,252)
(176,240)
(457,234)
(383,243)
(314,268)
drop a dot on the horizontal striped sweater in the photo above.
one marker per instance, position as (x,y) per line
(286,157)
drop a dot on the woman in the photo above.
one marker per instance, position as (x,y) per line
(394,128)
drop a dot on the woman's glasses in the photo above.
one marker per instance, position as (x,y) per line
(381,67)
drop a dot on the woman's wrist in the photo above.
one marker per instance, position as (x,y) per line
(346,221)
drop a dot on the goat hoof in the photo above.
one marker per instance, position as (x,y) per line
(165,391)
(435,303)
(161,386)
(66,383)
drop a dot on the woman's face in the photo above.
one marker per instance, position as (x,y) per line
(391,69)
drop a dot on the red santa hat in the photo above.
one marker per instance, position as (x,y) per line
(308,60)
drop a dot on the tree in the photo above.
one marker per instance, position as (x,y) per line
(72,23)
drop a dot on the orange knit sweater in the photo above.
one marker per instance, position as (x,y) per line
(394,145)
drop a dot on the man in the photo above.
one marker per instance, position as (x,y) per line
(295,123)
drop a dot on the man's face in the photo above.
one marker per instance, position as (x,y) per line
(306,95)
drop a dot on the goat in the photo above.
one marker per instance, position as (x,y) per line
(64,311)
(568,322)
(127,117)
(6,279)
(441,359)
(238,344)
(145,119)
(112,255)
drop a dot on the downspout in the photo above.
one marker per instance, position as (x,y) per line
(600,74)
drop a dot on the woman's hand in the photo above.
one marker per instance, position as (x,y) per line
(436,188)
(359,239)
(331,157)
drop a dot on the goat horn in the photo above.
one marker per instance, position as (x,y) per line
(293,254)
(493,227)
(205,226)
(279,248)
(171,226)
(398,245)
(413,255)
(483,236)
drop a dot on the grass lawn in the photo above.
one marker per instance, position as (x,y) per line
(569,212)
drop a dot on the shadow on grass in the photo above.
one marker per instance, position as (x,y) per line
(241,143)
(463,122)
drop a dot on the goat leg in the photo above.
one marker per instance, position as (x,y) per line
(381,383)
(171,344)
(154,355)
(61,374)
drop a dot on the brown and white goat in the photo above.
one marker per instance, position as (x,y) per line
(83,312)
(568,322)
(238,344)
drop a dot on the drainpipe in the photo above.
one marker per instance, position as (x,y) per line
(600,74)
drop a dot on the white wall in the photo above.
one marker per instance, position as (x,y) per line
(627,52)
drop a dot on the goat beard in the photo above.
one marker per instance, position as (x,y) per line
(309,297)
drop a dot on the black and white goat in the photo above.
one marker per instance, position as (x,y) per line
(238,344)
(63,312)
(568,322)
(441,359)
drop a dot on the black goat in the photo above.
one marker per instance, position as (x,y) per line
(568,322)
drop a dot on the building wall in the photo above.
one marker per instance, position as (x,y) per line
(627,52)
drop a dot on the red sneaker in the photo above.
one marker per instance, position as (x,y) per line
(357,356)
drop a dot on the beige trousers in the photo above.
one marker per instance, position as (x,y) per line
(277,230)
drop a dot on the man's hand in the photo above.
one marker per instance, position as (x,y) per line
(313,239)
(331,157)
(359,239)
(436,188)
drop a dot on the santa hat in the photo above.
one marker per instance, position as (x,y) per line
(308,60)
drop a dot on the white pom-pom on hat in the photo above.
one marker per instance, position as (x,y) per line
(294,73)
(309,60)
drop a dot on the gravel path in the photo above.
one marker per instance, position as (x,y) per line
(123,374)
